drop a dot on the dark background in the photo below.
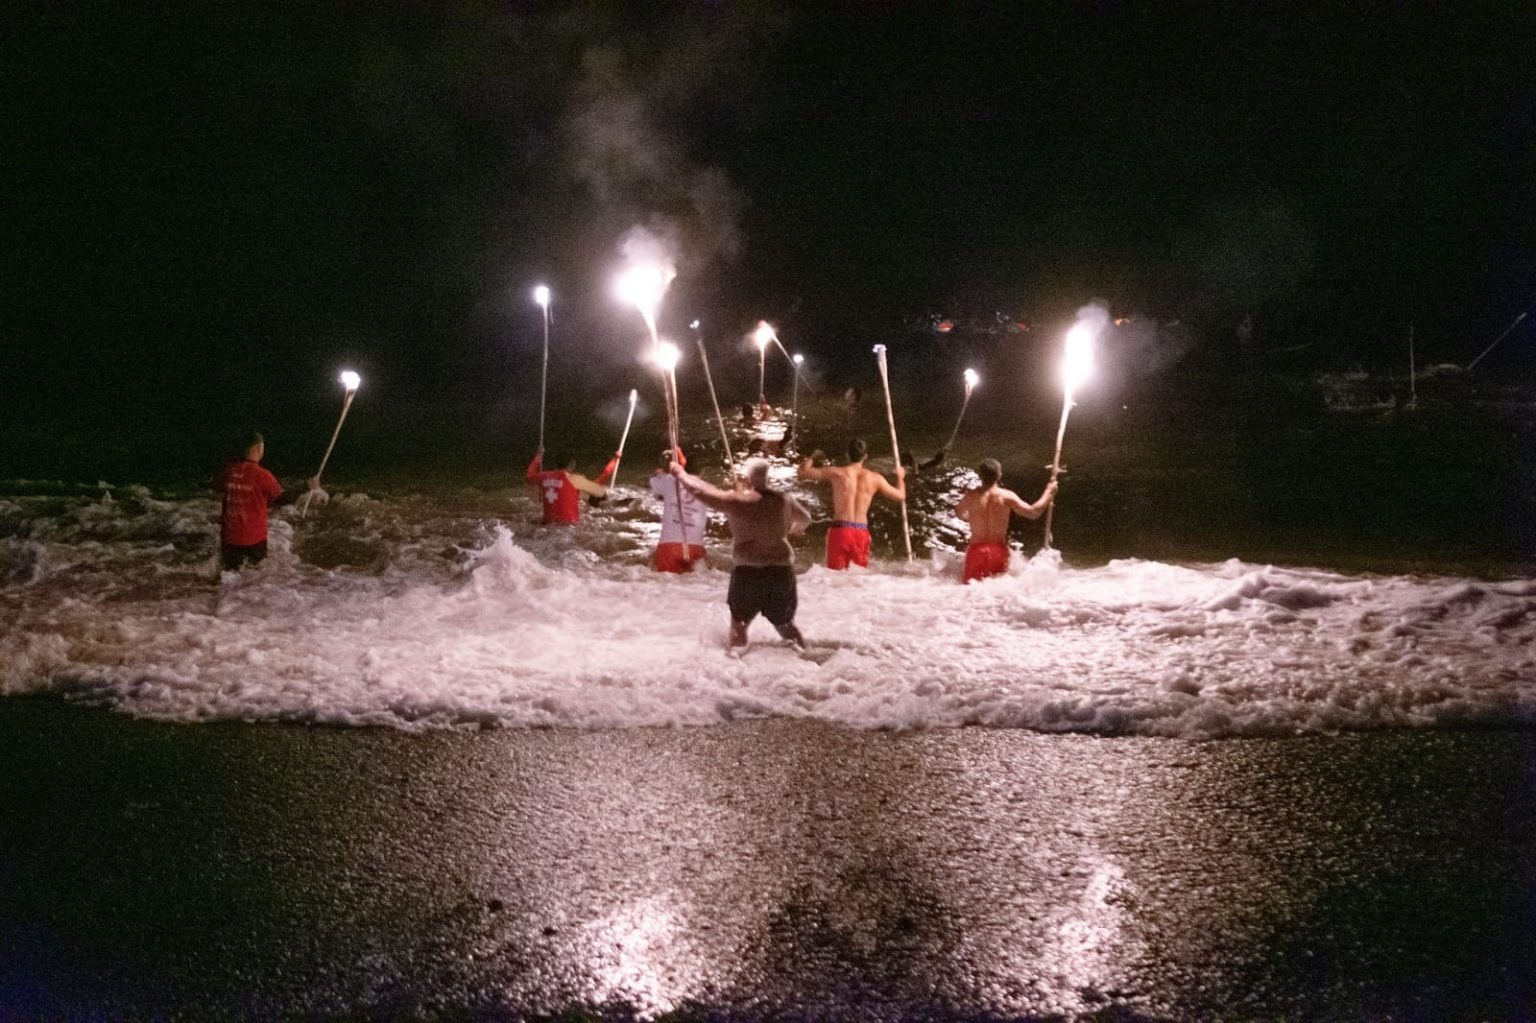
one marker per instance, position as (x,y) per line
(207,211)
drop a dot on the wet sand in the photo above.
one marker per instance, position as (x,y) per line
(770,870)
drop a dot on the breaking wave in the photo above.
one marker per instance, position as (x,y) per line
(414,613)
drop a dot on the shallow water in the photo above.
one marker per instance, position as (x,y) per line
(453,610)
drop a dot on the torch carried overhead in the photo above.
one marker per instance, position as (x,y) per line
(351,381)
(1076,368)
(794,400)
(541,296)
(762,335)
(643,285)
(618,457)
(667,356)
(725,441)
(890,417)
(972,378)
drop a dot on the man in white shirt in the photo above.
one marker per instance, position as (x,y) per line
(682,521)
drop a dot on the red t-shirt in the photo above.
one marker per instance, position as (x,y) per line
(248,488)
(558,496)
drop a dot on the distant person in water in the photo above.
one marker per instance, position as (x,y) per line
(763,576)
(683,521)
(988,508)
(851,404)
(248,490)
(773,448)
(560,489)
(853,488)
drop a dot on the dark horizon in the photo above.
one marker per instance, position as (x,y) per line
(215,210)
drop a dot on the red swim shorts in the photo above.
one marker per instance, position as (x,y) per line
(984,560)
(847,544)
(669,557)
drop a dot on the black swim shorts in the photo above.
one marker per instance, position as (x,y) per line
(233,557)
(768,590)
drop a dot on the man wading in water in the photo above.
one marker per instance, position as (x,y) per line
(247,491)
(763,579)
(853,488)
(560,488)
(987,509)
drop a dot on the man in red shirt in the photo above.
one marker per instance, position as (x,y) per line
(248,490)
(560,489)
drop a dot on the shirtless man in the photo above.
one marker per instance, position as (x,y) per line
(762,520)
(853,488)
(987,509)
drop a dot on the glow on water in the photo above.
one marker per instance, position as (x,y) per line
(456,612)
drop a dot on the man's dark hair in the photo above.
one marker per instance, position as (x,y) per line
(249,440)
(857,449)
(990,470)
(560,460)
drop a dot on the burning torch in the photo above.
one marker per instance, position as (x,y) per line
(351,381)
(1076,368)
(972,378)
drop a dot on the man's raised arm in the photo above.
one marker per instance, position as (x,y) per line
(809,470)
(899,491)
(1032,511)
(713,497)
(586,486)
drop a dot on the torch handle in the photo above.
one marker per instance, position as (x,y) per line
(544,379)
(890,418)
(623,438)
(345,405)
(1061,432)
(725,443)
(669,383)
(958,420)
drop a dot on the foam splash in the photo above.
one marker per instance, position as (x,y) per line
(419,614)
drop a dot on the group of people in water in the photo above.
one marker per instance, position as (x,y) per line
(761,519)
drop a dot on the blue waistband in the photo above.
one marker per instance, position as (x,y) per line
(840,524)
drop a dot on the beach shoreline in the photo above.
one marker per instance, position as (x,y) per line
(759,870)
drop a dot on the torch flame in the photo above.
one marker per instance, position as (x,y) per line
(634,396)
(972,378)
(667,355)
(798,358)
(763,334)
(879,348)
(350,380)
(1077,362)
(541,295)
(643,285)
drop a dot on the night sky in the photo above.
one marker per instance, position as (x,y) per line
(207,211)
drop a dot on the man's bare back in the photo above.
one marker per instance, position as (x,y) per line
(854,488)
(987,509)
